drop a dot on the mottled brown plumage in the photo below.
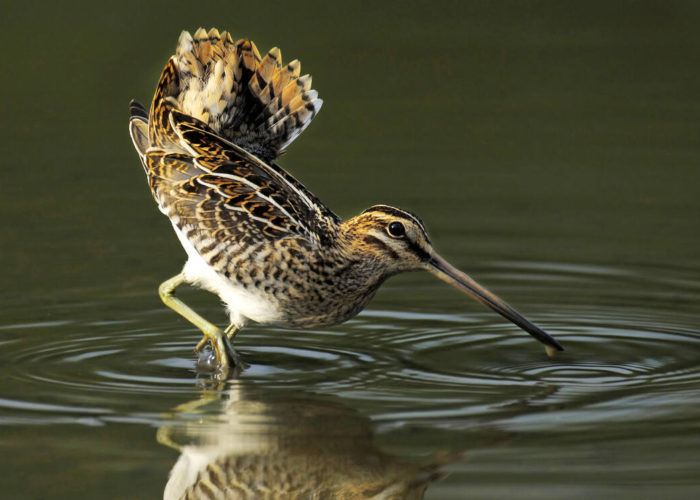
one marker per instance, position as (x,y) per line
(253,234)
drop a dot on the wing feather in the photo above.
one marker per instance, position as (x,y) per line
(217,193)
(220,115)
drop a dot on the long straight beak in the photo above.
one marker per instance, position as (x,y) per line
(450,274)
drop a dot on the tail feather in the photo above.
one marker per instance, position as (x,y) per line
(255,102)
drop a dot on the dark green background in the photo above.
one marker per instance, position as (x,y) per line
(573,123)
(544,135)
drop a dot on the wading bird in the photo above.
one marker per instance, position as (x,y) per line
(253,234)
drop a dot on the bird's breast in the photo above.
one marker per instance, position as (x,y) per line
(286,285)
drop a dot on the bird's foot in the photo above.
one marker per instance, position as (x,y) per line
(223,359)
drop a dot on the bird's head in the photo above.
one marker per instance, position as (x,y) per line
(395,240)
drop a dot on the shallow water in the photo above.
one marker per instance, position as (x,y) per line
(552,154)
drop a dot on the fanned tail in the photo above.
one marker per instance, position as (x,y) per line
(255,102)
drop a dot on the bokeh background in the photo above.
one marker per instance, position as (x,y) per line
(550,147)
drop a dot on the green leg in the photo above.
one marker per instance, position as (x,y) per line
(229,333)
(211,332)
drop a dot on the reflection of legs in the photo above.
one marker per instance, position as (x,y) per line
(211,332)
(168,433)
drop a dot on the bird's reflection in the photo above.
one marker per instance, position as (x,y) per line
(246,443)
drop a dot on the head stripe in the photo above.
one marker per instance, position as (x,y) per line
(378,243)
(400,213)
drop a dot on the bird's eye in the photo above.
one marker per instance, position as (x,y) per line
(396,229)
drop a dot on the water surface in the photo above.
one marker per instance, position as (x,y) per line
(551,151)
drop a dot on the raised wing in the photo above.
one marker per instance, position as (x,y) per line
(218,107)
(217,193)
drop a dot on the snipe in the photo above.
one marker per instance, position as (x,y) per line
(253,234)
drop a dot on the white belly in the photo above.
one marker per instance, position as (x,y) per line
(242,305)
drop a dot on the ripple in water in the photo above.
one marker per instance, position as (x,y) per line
(399,367)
